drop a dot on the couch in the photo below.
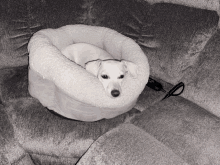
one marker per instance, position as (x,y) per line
(182,45)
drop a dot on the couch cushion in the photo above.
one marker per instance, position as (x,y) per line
(128,144)
(14,83)
(49,137)
(172,36)
(203,4)
(20,19)
(203,80)
(188,130)
(10,150)
(183,33)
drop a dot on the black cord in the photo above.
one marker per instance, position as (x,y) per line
(174,89)
(158,87)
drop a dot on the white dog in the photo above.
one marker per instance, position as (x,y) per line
(109,71)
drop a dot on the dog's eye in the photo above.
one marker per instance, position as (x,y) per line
(105,76)
(121,76)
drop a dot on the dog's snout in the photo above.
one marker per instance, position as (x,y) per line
(115,93)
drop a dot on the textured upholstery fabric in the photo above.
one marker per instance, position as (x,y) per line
(10,150)
(46,136)
(187,129)
(173,37)
(128,144)
(203,80)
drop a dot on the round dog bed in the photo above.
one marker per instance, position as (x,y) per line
(68,89)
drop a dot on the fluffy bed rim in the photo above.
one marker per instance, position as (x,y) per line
(48,66)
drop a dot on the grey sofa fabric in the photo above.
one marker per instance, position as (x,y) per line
(187,129)
(181,44)
(128,144)
(10,150)
(202,79)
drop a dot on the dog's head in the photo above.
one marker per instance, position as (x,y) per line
(111,73)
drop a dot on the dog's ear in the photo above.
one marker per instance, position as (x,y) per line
(131,68)
(93,67)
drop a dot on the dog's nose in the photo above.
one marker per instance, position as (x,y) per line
(115,93)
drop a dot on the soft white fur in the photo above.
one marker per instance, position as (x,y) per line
(115,71)
(81,53)
(68,88)
(100,63)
